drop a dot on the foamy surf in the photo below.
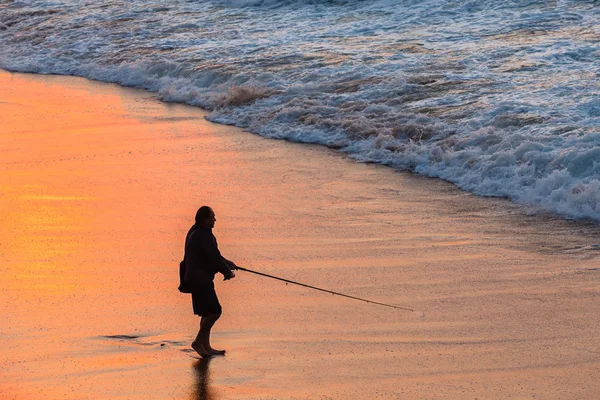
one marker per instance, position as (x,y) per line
(499,98)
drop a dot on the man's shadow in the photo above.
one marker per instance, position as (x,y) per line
(201,389)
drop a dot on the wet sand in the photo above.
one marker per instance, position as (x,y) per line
(99,184)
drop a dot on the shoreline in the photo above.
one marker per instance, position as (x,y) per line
(100,183)
(528,208)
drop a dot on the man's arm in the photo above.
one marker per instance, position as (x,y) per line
(211,249)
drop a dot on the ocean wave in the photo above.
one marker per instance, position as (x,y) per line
(500,98)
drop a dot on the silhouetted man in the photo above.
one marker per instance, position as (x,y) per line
(202,261)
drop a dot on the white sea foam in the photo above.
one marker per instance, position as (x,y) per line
(501,98)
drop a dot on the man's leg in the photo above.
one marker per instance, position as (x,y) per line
(197,343)
(206,325)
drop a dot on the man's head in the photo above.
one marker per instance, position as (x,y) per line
(205,217)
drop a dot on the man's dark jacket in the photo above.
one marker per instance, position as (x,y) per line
(202,258)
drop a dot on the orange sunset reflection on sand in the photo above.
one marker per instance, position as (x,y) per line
(99,184)
(72,210)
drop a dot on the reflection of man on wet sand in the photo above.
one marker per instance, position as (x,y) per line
(202,389)
(202,261)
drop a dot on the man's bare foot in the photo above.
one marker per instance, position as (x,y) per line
(200,350)
(217,352)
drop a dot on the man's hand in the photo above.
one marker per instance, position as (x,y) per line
(230,276)
(232,265)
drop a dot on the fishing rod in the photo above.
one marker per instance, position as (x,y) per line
(323,290)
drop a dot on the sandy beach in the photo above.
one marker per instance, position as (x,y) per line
(99,184)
